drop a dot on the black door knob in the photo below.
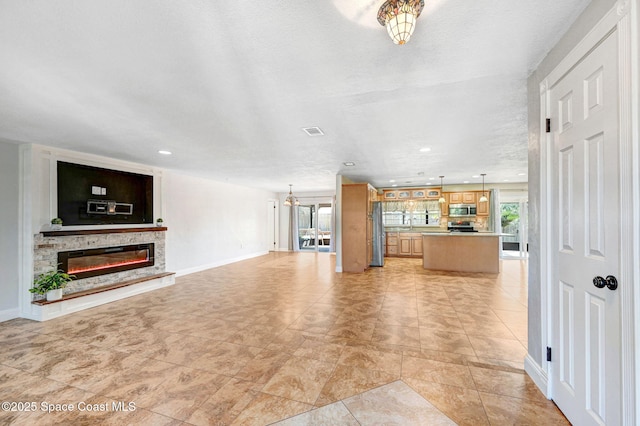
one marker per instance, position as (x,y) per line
(612,282)
(599,282)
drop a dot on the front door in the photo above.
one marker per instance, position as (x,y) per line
(586,372)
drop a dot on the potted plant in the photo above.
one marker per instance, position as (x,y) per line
(159,221)
(51,283)
(56,224)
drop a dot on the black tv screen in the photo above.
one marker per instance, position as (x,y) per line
(95,196)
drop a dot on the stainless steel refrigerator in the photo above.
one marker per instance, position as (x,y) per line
(378,235)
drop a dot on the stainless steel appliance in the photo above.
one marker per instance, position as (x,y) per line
(462,210)
(378,235)
(461,226)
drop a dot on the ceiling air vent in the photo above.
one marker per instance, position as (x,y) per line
(313,131)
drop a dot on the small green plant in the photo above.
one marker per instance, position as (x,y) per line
(56,221)
(51,280)
(159,220)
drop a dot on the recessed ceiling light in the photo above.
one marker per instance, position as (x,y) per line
(394,185)
(475,176)
(432,178)
(349,163)
(428,183)
(522,174)
(506,180)
(466,181)
(425,149)
(392,180)
(313,131)
(164,152)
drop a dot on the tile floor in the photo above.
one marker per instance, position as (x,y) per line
(282,338)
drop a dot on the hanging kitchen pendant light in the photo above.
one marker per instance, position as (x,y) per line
(484,198)
(291,200)
(441,200)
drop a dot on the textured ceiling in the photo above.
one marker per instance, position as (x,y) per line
(228,86)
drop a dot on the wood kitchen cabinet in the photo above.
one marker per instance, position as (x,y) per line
(444,207)
(482,209)
(404,244)
(392,244)
(462,197)
(357,226)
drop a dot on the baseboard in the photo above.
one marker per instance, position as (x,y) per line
(9,314)
(537,374)
(201,268)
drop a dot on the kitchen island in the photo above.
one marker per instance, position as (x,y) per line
(461,251)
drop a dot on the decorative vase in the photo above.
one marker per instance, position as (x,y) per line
(159,224)
(54,294)
(56,227)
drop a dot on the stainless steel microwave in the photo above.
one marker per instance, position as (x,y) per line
(462,210)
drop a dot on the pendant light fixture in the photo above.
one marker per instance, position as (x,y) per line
(441,200)
(484,198)
(399,17)
(291,200)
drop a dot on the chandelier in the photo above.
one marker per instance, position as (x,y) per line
(399,16)
(291,200)
(441,200)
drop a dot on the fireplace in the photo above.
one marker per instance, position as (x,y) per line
(101,261)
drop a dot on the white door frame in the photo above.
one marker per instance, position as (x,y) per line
(273,209)
(619,19)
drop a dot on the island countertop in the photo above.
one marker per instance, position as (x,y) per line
(461,251)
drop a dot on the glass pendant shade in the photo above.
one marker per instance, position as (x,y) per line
(484,198)
(399,17)
(441,200)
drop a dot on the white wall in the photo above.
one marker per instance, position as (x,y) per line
(212,223)
(9,243)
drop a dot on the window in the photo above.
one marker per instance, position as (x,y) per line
(410,213)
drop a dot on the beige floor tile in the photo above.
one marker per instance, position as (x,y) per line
(181,393)
(369,358)
(496,348)
(225,405)
(347,381)
(503,410)
(462,405)
(334,414)
(396,335)
(445,341)
(204,349)
(395,403)
(266,409)
(299,379)
(438,372)
(509,383)
(226,358)
(487,328)
(320,350)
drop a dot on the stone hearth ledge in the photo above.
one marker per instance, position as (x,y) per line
(42,310)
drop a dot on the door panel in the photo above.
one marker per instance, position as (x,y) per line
(584,117)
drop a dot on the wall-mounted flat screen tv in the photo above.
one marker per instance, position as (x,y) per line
(90,195)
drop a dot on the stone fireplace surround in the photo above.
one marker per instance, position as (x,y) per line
(47,245)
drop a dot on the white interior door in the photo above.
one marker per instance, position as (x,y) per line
(586,372)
